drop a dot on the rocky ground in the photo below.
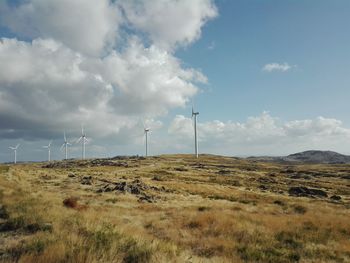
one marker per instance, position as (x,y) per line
(174,208)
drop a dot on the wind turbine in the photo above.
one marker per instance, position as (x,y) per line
(65,145)
(194,114)
(48,147)
(83,140)
(145,131)
(15,151)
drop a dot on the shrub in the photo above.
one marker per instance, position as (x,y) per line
(203,208)
(300,209)
(71,202)
(136,253)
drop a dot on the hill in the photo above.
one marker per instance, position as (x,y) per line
(327,157)
(321,157)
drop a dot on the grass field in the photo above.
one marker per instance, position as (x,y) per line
(174,208)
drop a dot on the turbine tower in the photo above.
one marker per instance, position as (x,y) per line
(65,145)
(194,114)
(15,152)
(83,140)
(146,130)
(48,147)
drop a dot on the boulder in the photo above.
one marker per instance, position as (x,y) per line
(336,197)
(302,191)
(87,180)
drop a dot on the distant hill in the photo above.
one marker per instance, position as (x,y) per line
(318,157)
(324,157)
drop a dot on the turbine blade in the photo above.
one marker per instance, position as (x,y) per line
(64,136)
(62,146)
(79,139)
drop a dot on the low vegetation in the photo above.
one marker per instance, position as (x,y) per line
(174,208)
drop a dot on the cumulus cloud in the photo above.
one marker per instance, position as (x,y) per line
(88,26)
(263,134)
(284,67)
(169,23)
(87,61)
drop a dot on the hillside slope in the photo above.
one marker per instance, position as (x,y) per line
(174,208)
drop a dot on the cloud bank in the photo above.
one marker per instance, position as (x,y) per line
(263,134)
(99,62)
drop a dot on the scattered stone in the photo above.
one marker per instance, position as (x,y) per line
(336,197)
(263,187)
(71,175)
(223,172)
(135,187)
(266,180)
(301,176)
(106,188)
(62,164)
(181,169)
(107,162)
(157,178)
(87,180)
(288,171)
(346,177)
(199,166)
(302,191)
(46,177)
(146,199)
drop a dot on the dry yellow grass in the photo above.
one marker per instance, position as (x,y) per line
(175,209)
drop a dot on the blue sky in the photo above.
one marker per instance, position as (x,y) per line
(112,64)
(249,34)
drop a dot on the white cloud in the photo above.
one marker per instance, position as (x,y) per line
(277,67)
(45,78)
(82,63)
(88,26)
(169,23)
(262,135)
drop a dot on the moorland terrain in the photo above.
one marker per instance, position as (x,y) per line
(174,208)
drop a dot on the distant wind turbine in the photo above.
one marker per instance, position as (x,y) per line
(48,147)
(194,114)
(65,145)
(83,140)
(145,131)
(15,151)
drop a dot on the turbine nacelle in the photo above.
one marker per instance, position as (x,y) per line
(48,146)
(14,148)
(194,113)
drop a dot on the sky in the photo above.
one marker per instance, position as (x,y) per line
(267,77)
